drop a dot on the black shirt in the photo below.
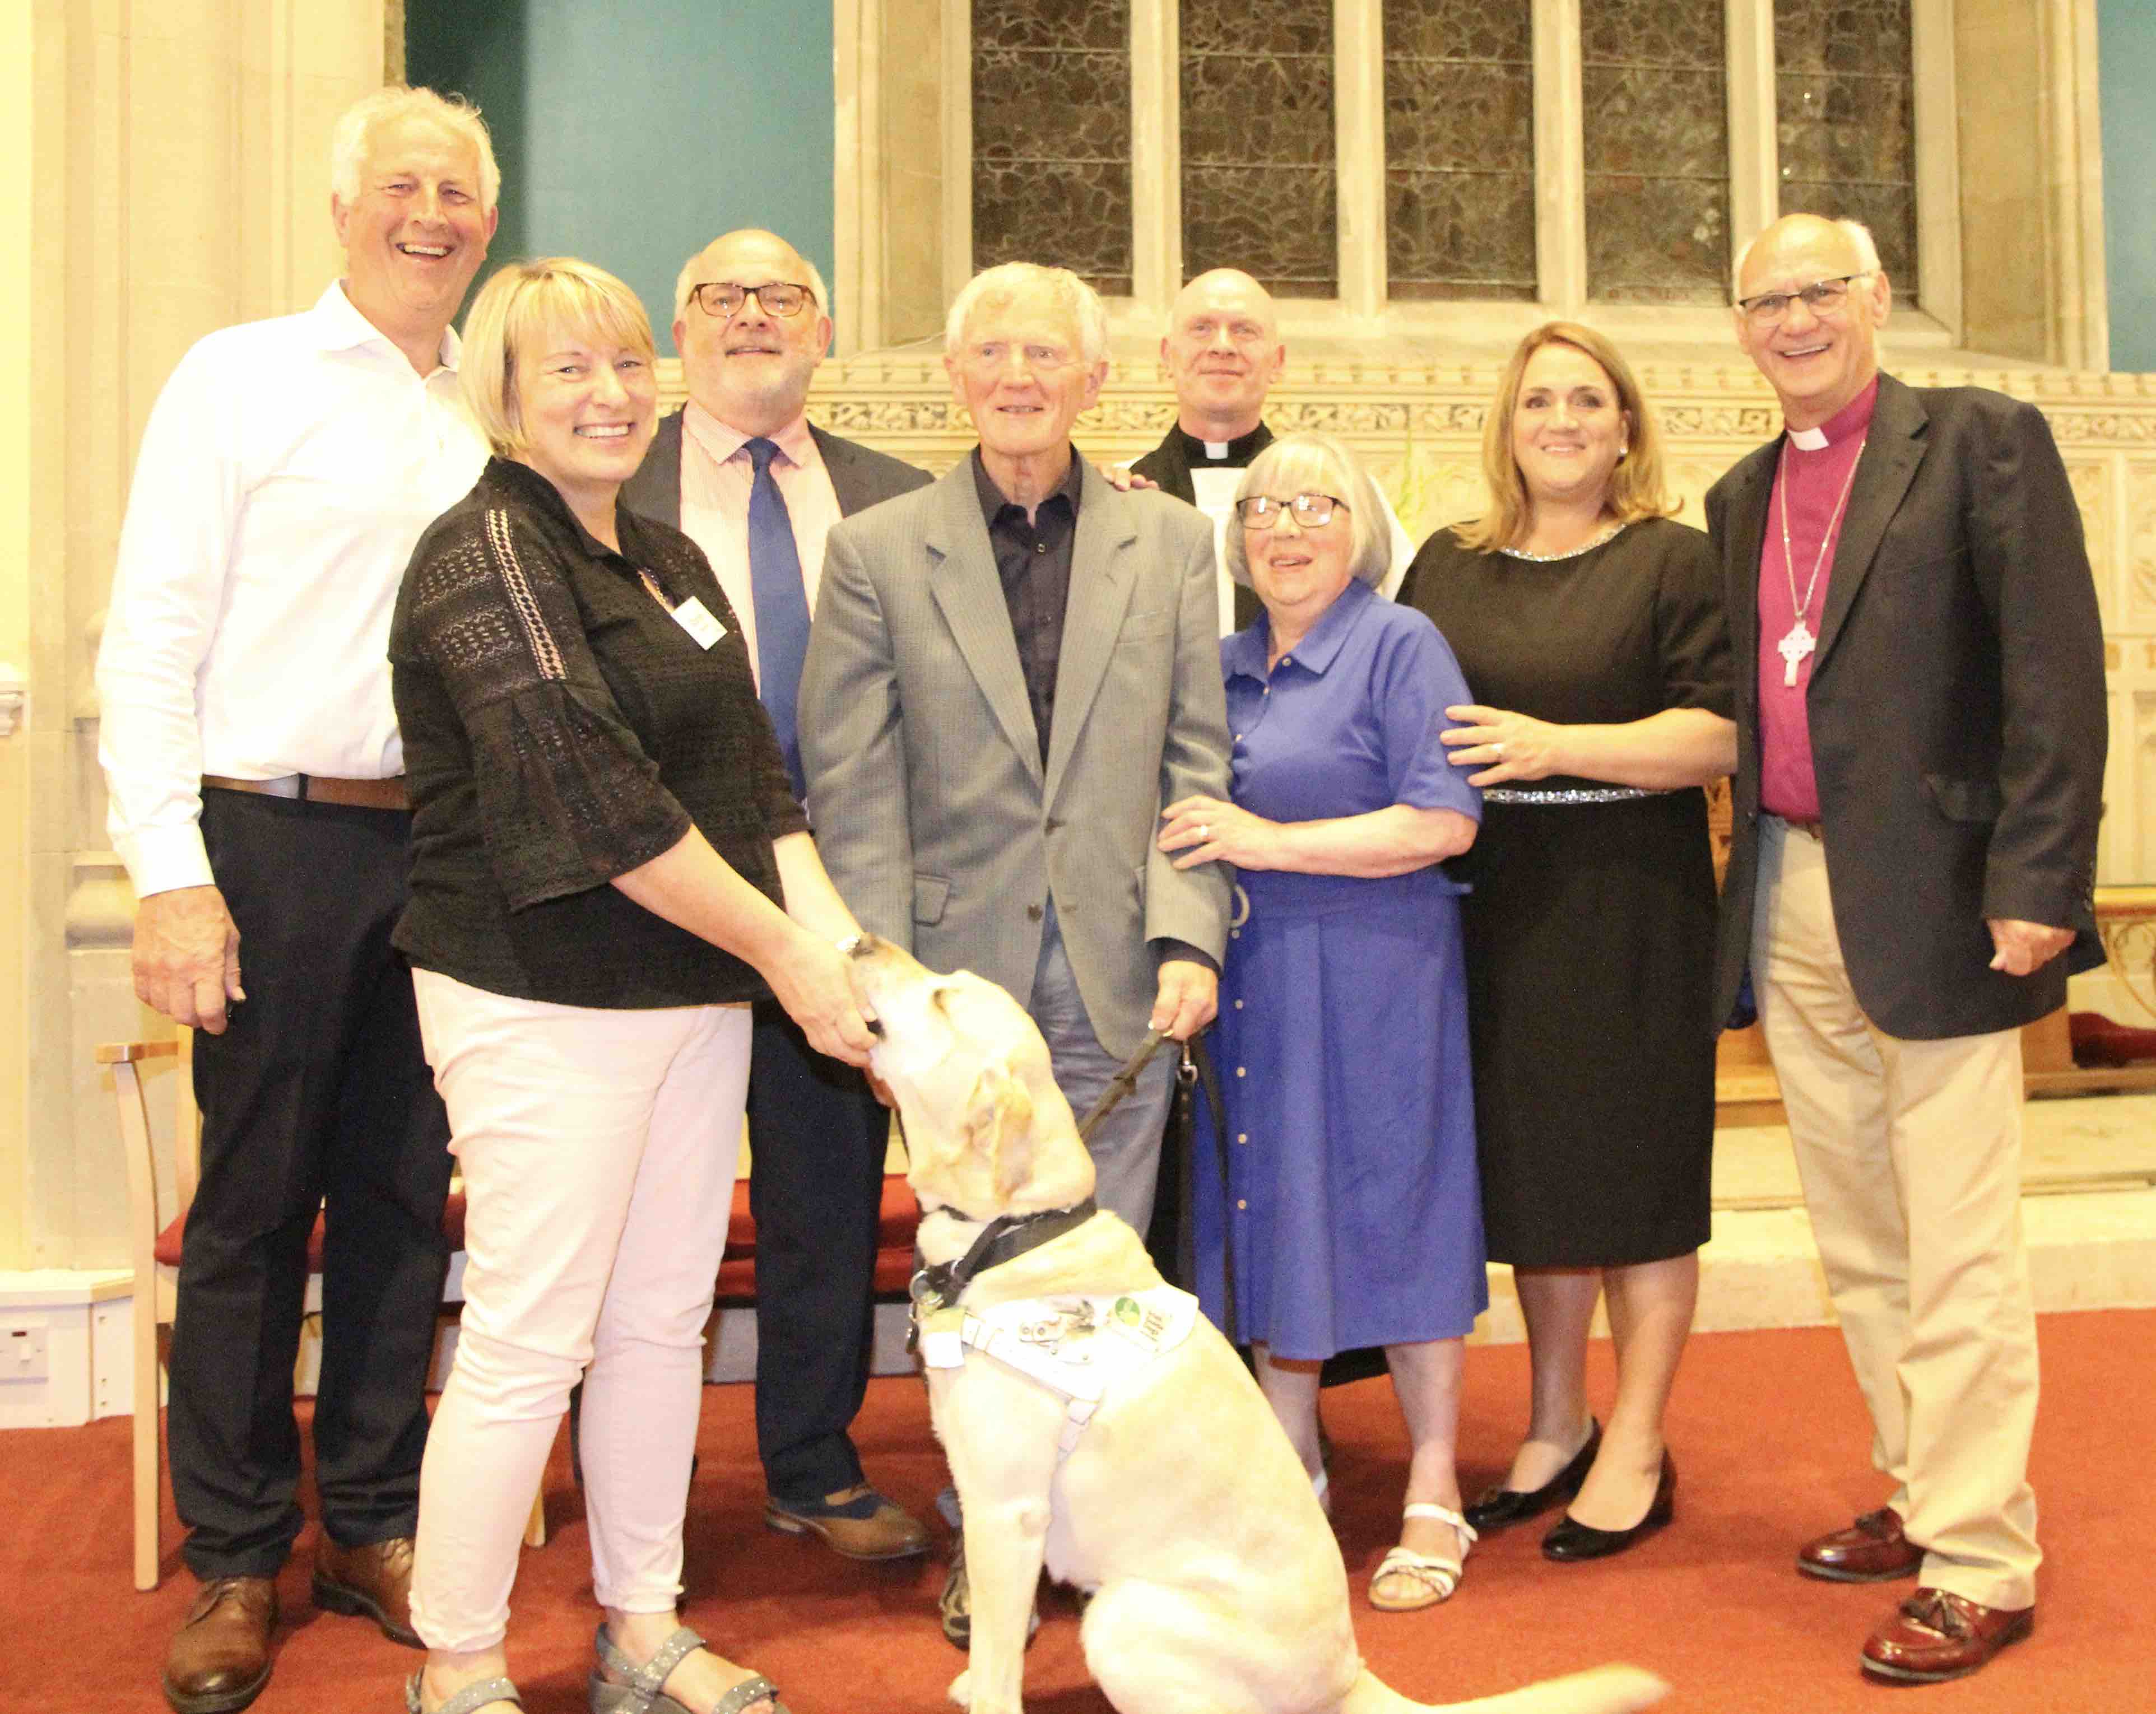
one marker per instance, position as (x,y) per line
(561,728)
(1033,558)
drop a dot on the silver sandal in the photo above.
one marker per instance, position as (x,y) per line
(642,1694)
(472,1696)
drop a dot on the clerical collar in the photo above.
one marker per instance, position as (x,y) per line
(1852,419)
(1232,453)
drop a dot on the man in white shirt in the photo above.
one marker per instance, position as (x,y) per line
(1223,352)
(254,772)
(758,486)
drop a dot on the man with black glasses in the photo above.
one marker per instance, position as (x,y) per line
(741,469)
(1921,734)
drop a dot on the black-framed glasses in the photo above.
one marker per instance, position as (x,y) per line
(1820,297)
(725,299)
(1313,511)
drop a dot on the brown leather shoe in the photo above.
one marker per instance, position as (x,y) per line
(857,1522)
(219,1659)
(1872,1550)
(1936,1634)
(374,1582)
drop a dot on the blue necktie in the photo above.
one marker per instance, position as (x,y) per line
(782,605)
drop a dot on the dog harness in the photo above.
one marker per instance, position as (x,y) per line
(1079,1346)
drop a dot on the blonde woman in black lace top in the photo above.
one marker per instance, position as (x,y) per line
(607,866)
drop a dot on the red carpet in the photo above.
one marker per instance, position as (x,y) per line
(1771,1445)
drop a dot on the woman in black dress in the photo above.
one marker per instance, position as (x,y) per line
(1591,627)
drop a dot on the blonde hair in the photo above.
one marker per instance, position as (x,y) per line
(1318,459)
(1636,489)
(352,137)
(522,303)
(1007,280)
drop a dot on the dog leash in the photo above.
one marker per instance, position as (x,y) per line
(1196,1074)
(1120,1085)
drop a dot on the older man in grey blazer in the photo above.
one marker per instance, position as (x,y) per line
(1010,673)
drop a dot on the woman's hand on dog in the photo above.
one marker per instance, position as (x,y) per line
(813,981)
(1211,830)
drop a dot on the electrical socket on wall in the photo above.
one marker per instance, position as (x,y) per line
(22,1354)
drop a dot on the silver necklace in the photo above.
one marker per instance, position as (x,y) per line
(1586,547)
(1799,639)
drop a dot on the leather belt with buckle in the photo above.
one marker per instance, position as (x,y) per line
(320,788)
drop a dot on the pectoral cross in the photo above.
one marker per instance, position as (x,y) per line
(1797,642)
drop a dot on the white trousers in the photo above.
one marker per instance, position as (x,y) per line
(1909,1153)
(598,1150)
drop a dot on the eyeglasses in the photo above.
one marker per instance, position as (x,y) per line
(1313,511)
(1820,297)
(723,299)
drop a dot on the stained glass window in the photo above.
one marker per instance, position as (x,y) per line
(1655,99)
(1259,179)
(1052,137)
(1460,148)
(1845,119)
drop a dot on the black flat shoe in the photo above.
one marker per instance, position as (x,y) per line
(1574,1540)
(1499,1507)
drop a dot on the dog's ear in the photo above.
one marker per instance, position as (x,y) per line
(999,1125)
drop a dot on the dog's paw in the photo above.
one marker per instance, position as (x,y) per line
(961,1691)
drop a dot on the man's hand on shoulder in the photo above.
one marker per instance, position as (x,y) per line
(186,956)
(1189,995)
(2023,948)
(1125,480)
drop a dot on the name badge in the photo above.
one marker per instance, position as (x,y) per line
(696,619)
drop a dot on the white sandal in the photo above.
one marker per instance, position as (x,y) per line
(1438,1576)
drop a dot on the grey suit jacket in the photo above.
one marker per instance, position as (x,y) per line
(933,809)
(1957,711)
(860,476)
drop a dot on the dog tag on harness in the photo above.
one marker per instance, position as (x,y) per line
(943,1339)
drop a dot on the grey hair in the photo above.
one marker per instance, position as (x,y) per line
(1008,279)
(685,281)
(1295,460)
(352,137)
(1857,232)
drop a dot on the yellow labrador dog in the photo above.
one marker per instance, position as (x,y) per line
(1094,1422)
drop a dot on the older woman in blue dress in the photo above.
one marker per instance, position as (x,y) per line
(1352,1213)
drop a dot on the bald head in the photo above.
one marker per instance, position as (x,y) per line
(1817,356)
(1223,353)
(750,370)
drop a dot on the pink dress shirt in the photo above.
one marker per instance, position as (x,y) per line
(715,475)
(1815,465)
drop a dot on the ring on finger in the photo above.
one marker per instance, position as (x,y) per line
(1204,831)
(1497,748)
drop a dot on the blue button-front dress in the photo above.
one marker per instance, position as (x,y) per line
(1342,1040)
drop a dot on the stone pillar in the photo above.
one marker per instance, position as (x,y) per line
(176,182)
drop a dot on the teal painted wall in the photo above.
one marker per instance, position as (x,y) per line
(632,132)
(2126,47)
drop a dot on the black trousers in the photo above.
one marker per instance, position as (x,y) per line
(316,1097)
(817,1141)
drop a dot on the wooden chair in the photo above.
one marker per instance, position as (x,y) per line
(153,1250)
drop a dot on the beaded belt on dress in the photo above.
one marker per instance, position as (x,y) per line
(1576,794)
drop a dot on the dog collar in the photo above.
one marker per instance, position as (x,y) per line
(1004,1238)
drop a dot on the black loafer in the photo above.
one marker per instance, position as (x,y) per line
(1501,1506)
(1573,1540)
